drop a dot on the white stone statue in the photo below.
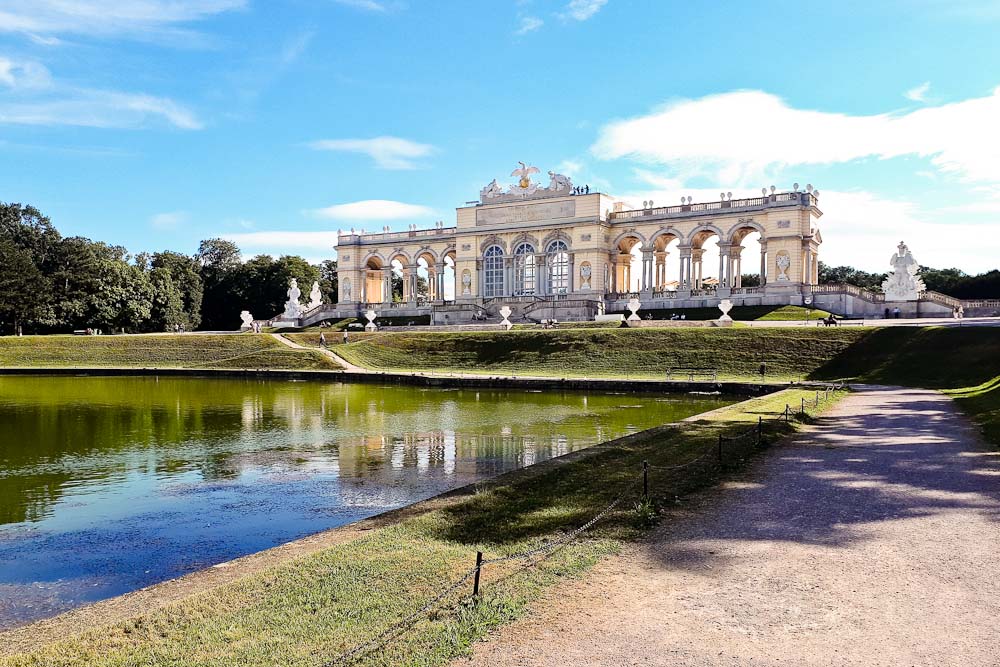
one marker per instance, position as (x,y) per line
(585,274)
(370,315)
(725,306)
(559,183)
(783,261)
(292,307)
(903,284)
(634,305)
(345,289)
(505,313)
(466,283)
(247,320)
(315,296)
(491,191)
(524,187)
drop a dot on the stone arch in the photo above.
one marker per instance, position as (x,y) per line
(702,232)
(401,255)
(524,237)
(740,230)
(428,255)
(379,261)
(625,236)
(557,235)
(492,240)
(663,237)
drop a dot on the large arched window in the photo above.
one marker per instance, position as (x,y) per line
(558,262)
(524,269)
(493,272)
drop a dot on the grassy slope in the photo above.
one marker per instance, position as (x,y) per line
(740,313)
(166,351)
(308,611)
(963,362)
(790,353)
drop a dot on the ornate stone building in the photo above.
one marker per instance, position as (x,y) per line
(564,252)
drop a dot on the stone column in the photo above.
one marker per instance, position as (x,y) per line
(736,261)
(684,278)
(387,285)
(572,272)
(541,276)
(722,268)
(479,279)
(807,266)
(661,270)
(763,264)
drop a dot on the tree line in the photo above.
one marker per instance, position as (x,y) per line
(953,282)
(50,283)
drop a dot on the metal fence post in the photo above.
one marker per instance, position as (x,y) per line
(479,568)
(817,399)
(760,429)
(802,409)
(720,450)
(645,480)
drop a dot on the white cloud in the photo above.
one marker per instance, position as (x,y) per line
(37,18)
(387,152)
(372,209)
(168,221)
(23,74)
(735,137)
(368,5)
(581,10)
(529,24)
(309,240)
(569,167)
(861,229)
(919,93)
(97,108)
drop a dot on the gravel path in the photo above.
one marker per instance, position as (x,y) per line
(871,539)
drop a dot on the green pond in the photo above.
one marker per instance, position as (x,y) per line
(111,484)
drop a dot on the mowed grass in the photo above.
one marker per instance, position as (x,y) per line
(789,353)
(310,610)
(159,351)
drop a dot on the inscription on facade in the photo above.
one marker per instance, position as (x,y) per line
(584,237)
(525,213)
(784,224)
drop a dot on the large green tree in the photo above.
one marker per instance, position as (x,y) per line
(219,264)
(186,278)
(20,284)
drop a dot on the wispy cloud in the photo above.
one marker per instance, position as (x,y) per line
(21,74)
(367,5)
(918,93)
(168,221)
(38,19)
(372,209)
(581,10)
(734,137)
(98,108)
(387,152)
(529,24)
(36,99)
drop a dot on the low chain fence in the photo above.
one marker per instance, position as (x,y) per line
(729,449)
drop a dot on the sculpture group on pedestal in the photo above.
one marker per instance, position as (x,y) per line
(292,307)
(903,284)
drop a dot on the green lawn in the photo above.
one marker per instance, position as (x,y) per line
(161,351)
(740,313)
(790,353)
(310,610)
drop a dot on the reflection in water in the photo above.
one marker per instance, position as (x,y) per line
(111,484)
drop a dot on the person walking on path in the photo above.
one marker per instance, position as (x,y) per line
(322,339)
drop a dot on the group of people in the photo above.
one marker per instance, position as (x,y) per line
(958,312)
(581,190)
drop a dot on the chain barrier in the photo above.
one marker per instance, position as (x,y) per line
(548,548)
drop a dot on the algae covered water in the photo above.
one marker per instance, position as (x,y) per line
(111,484)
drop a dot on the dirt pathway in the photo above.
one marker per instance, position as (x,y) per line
(872,539)
(344,363)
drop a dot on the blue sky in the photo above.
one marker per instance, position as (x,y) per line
(157,123)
